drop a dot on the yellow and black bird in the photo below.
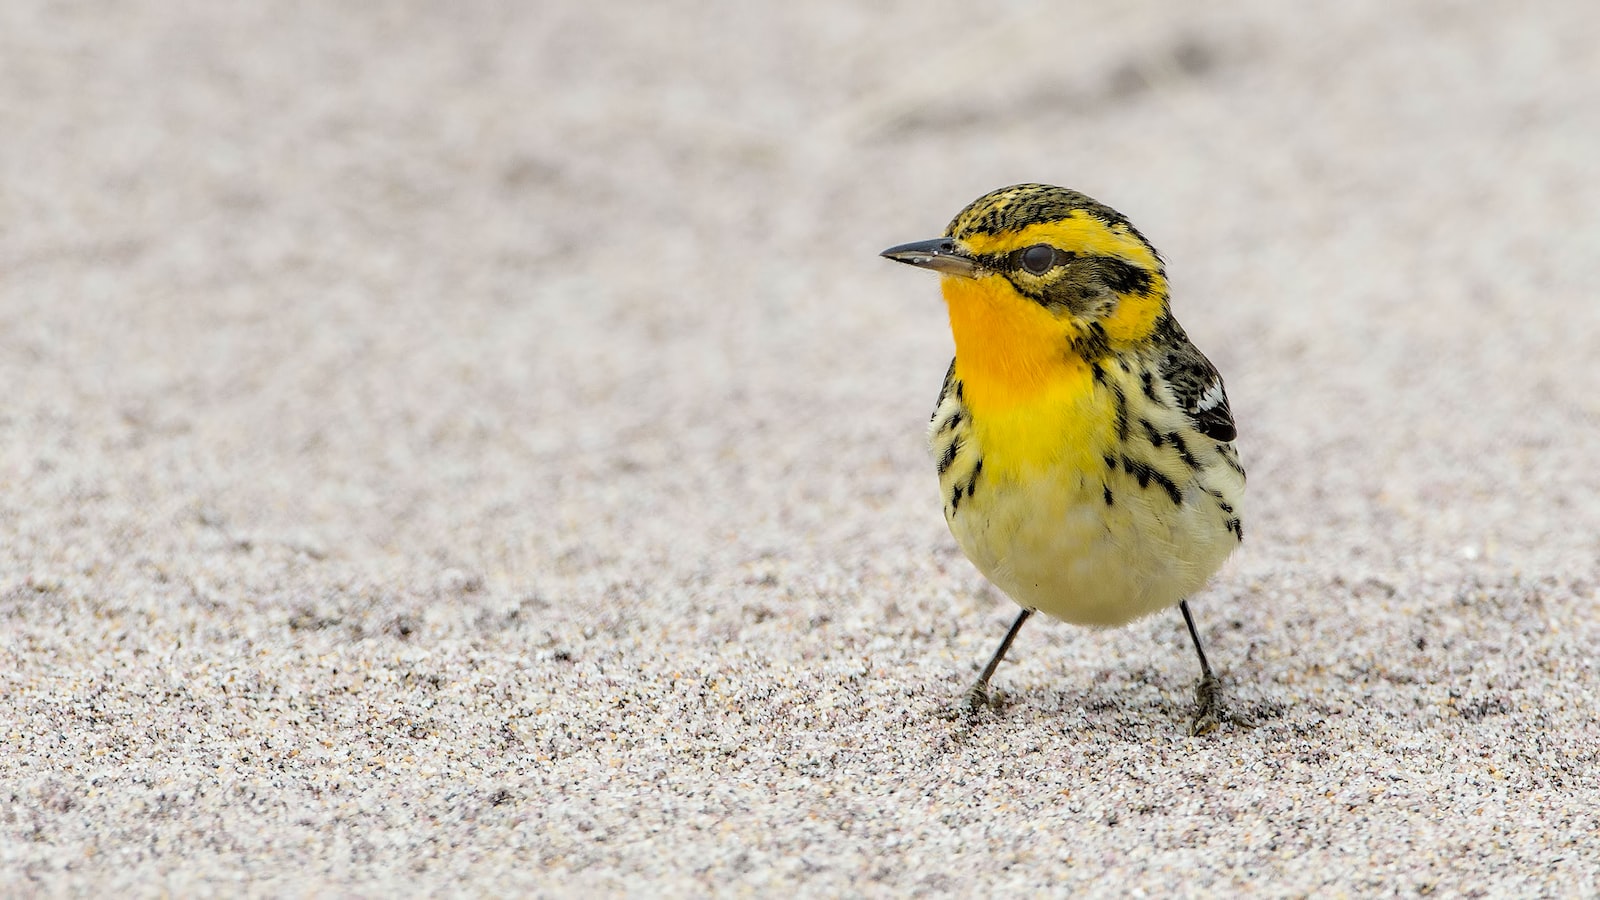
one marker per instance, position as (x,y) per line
(1084,445)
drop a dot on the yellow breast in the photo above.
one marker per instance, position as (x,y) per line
(1034,404)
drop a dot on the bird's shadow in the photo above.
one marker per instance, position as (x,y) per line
(1130,704)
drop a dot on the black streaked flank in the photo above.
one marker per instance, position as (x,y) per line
(1146,474)
(1157,439)
(1228,457)
(949,456)
(1183,451)
(1107,489)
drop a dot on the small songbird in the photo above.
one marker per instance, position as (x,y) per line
(1084,445)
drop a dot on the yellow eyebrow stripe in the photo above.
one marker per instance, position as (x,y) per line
(1079,232)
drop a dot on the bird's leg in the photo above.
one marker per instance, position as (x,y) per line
(977,696)
(1207,693)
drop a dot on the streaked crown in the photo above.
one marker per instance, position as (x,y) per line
(1011,209)
(1072,255)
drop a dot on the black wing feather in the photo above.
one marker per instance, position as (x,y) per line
(1196,384)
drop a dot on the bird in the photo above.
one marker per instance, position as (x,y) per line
(1085,447)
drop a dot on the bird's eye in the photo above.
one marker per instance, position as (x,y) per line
(1038,259)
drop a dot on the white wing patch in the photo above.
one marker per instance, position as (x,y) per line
(1212,398)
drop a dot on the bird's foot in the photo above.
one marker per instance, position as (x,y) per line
(1209,711)
(976,698)
(972,702)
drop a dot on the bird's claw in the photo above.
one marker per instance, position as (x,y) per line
(1209,712)
(972,702)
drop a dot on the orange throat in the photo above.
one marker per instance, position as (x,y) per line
(1009,349)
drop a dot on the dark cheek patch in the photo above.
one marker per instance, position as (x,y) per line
(1086,286)
(1081,297)
(1124,277)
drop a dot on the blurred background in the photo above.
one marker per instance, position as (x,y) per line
(532,289)
(558,328)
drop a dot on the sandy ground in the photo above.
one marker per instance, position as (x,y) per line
(474,448)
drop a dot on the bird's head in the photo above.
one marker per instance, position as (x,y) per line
(1034,261)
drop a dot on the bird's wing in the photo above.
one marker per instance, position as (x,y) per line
(1197,386)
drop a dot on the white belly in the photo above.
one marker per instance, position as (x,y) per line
(1058,547)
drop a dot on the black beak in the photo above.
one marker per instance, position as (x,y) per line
(939,254)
